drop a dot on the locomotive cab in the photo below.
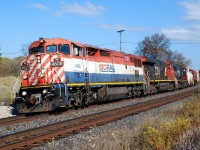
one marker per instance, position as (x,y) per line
(42,77)
(159,76)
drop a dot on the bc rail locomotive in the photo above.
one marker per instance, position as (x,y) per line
(62,73)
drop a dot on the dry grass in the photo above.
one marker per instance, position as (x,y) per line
(111,140)
(178,131)
(161,134)
(6,89)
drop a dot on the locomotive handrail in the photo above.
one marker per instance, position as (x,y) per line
(60,89)
(65,88)
(148,82)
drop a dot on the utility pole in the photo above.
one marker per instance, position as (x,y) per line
(120,32)
(0,52)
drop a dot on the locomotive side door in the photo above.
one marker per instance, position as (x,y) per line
(79,62)
(91,65)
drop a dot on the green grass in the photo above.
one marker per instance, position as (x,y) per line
(6,89)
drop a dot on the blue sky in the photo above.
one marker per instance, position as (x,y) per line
(96,22)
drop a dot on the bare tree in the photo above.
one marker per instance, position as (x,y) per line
(10,66)
(24,49)
(15,65)
(155,46)
(158,47)
(0,54)
(177,58)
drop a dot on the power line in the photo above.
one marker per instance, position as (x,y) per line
(184,43)
(139,42)
(11,53)
(107,44)
(170,43)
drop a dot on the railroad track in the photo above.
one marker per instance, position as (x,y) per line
(25,118)
(20,118)
(9,120)
(37,136)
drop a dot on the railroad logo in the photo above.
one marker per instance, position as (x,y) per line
(106,68)
(77,65)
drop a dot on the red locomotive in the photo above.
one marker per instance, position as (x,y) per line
(62,73)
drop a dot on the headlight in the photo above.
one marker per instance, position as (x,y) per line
(25,77)
(38,58)
(24,93)
(44,91)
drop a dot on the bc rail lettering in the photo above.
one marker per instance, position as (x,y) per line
(106,68)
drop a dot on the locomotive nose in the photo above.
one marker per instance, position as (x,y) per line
(31,100)
(34,99)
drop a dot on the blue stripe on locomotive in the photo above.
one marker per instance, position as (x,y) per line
(76,77)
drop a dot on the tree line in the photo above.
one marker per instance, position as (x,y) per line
(10,66)
(157,46)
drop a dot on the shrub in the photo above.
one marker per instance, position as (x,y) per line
(6,89)
(160,135)
(164,134)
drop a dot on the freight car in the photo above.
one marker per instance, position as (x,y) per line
(194,74)
(62,73)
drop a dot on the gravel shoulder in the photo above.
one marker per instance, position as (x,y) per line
(79,113)
(111,136)
(6,111)
(78,141)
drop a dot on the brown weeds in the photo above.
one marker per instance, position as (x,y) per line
(6,89)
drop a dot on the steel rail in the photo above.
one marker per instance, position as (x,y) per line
(37,136)
(20,118)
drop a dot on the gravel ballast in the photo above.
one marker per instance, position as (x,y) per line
(84,112)
(6,111)
(78,140)
(90,139)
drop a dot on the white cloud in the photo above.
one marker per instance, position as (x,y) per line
(88,9)
(122,27)
(180,33)
(39,6)
(196,26)
(192,9)
(192,14)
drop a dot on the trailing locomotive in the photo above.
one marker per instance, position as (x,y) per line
(62,73)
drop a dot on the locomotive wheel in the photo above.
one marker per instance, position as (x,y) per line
(129,95)
(75,107)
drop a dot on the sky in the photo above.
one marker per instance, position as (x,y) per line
(96,22)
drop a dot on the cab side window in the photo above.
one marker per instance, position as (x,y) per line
(36,50)
(157,71)
(78,51)
(64,49)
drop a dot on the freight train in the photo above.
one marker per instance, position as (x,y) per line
(62,73)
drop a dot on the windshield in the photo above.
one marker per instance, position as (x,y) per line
(64,49)
(36,50)
(51,48)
